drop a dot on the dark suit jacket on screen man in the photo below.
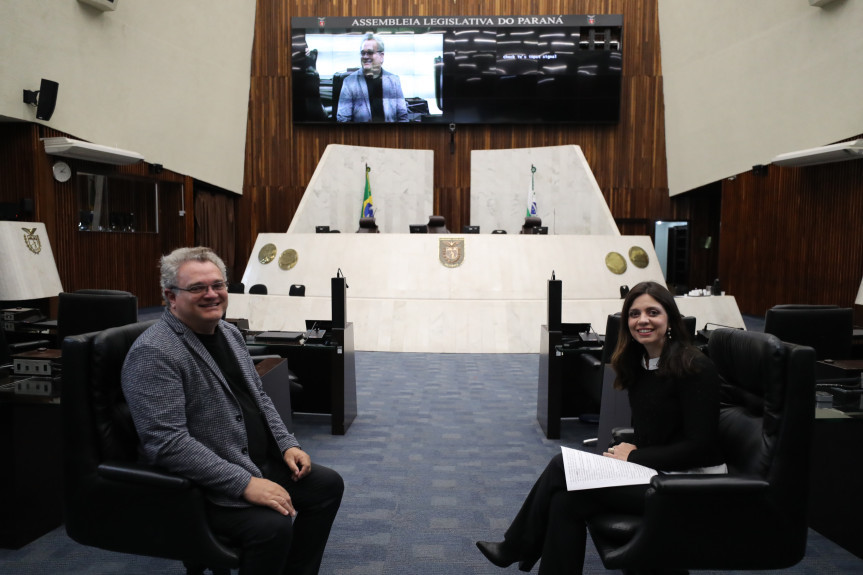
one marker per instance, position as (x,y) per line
(371,93)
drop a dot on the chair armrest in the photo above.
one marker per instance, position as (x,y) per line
(142,474)
(710,485)
(622,435)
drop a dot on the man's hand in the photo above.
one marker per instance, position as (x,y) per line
(299,462)
(264,492)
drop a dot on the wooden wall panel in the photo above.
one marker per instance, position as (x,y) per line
(793,235)
(628,158)
(118,260)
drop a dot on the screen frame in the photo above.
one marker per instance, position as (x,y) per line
(448,26)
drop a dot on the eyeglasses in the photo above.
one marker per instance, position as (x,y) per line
(369,53)
(199,289)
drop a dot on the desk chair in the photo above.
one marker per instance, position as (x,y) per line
(530,223)
(755,517)
(368,226)
(826,328)
(259,289)
(89,310)
(112,501)
(236,287)
(437,225)
(297,290)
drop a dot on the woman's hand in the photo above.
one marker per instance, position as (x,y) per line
(620,451)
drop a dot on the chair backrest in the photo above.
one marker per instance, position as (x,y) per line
(297,290)
(767,413)
(827,329)
(88,310)
(530,222)
(97,425)
(259,289)
(437,225)
(367,226)
(236,287)
(498,232)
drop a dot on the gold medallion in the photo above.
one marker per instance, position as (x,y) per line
(451,251)
(615,262)
(32,241)
(638,257)
(267,254)
(288,259)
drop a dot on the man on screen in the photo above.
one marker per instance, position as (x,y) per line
(372,94)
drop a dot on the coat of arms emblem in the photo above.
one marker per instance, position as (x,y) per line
(451,251)
(34,244)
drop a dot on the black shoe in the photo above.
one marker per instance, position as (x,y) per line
(498,553)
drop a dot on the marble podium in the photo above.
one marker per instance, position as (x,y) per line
(407,293)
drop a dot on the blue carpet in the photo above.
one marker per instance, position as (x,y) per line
(443,451)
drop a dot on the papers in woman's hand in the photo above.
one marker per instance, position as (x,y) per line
(591,471)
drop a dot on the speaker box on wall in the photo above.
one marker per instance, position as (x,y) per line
(47,99)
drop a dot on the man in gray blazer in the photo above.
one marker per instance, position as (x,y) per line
(372,94)
(200,411)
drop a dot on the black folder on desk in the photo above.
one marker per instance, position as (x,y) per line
(280,336)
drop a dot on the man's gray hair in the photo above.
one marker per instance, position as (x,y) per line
(170,264)
(372,36)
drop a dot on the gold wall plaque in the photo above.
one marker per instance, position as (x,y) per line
(451,251)
(267,254)
(615,262)
(638,257)
(288,259)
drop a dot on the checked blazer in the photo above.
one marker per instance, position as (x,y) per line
(188,420)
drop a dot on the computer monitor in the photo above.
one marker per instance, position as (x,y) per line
(541,230)
(470,229)
(419,229)
(322,229)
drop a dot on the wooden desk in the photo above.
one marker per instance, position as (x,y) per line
(327,373)
(31,487)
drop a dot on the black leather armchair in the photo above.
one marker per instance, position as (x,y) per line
(756,516)
(112,501)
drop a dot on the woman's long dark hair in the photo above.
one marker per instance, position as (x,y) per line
(676,359)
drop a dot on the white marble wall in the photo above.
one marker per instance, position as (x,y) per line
(401,183)
(25,274)
(568,198)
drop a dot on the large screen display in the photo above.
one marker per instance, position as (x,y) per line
(461,70)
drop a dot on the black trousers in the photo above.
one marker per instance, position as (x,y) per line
(273,543)
(551,523)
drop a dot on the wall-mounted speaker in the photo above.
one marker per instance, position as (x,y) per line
(45,98)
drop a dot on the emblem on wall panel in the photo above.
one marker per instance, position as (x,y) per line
(615,262)
(288,259)
(638,257)
(34,244)
(267,254)
(451,251)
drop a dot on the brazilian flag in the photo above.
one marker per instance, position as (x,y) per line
(368,210)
